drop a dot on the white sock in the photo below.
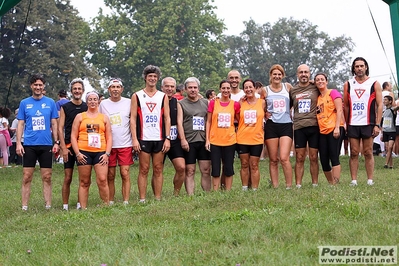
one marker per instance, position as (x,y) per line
(24,208)
(244,188)
(48,207)
(65,206)
(125,202)
(111,202)
(142,201)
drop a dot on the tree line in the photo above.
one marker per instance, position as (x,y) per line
(183,38)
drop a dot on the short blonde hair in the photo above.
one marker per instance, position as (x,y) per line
(274,67)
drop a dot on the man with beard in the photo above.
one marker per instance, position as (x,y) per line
(68,113)
(363,112)
(303,98)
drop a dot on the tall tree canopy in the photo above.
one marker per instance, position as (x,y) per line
(289,43)
(51,45)
(183,38)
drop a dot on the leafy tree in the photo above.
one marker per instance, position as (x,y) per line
(51,45)
(289,43)
(183,38)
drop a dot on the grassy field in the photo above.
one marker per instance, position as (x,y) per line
(266,227)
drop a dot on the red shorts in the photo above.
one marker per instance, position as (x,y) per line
(124,156)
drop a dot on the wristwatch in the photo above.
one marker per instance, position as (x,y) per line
(108,154)
(168,137)
(57,142)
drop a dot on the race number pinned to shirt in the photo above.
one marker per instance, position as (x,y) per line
(279,105)
(115,119)
(304,105)
(387,122)
(250,116)
(358,107)
(173,132)
(38,123)
(151,120)
(198,123)
(224,120)
(94,140)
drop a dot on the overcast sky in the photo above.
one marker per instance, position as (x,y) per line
(339,17)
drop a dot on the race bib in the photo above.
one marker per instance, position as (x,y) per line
(116,120)
(198,123)
(94,140)
(387,122)
(38,123)
(173,132)
(224,120)
(250,116)
(279,105)
(304,106)
(358,108)
(151,120)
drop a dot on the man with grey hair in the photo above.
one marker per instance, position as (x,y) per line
(176,153)
(150,127)
(192,113)
(68,113)
(117,108)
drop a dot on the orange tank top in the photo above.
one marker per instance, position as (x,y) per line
(250,126)
(326,113)
(222,132)
(92,133)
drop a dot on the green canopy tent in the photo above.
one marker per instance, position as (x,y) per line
(394,10)
(6,5)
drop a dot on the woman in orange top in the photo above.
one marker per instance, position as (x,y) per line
(91,141)
(329,117)
(250,135)
(221,136)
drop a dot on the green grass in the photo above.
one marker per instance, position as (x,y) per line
(267,227)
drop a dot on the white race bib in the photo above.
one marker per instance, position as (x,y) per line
(198,123)
(304,106)
(387,122)
(173,132)
(250,116)
(94,140)
(279,105)
(151,120)
(358,108)
(38,123)
(224,120)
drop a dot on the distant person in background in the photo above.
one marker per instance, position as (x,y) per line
(386,91)
(62,99)
(14,158)
(179,92)
(5,139)
(363,111)
(210,94)
(389,128)
(396,146)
